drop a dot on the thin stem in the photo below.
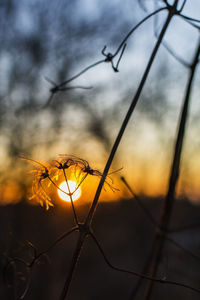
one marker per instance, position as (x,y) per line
(127,118)
(70,195)
(144,271)
(120,57)
(153,222)
(182,6)
(131,272)
(176,56)
(135,27)
(60,87)
(80,73)
(182,248)
(192,24)
(185,227)
(53,245)
(169,200)
(139,202)
(84,177)
(166,46)
(189,19)
(74,261)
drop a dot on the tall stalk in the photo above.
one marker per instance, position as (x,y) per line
(85,228)
(171,13)
(174,175)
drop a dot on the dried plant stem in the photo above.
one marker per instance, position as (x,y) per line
(140,204)
(144,271)
(70,195)
(128,116)
(89,217)
(144,276)
(174,174)
(74,261)
(135,27)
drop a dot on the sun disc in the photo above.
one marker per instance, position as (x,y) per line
(72,187)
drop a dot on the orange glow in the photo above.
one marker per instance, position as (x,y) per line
(72,187)
(10,192)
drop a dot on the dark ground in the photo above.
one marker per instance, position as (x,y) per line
(126,236)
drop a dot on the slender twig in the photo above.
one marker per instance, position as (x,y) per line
(109,58)
(59,239)
(175,55)
(120,57)
(144,276)
(189,18)
(185,227)
(192,24)
(182,248)
(154,222)
(139,202)
(169,200)
(13,262)
(144,271)
(135,27)
(183,5)
(62,84)
(166,46)
(70,195)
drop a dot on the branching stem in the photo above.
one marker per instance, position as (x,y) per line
(127,117)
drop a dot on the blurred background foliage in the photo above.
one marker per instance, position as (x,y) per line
(41,40)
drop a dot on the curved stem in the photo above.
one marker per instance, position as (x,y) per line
(53,245)
(131,272)
(135,27)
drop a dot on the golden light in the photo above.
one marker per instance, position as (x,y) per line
(72,187)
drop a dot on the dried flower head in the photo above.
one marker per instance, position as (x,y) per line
(42,173)
(48,173)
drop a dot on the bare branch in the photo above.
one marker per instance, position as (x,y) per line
(131,272)
(135,27)
(189,18)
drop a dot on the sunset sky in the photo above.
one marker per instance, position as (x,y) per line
(44,42)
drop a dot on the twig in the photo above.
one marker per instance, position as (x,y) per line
(154,223)
(192,24)
(59,239)
(183,5)
(70,195)
(168,48)
(144,276)
(144,271)
(109,58)
(185,227)
(189,18)
(135,27)
(182,248)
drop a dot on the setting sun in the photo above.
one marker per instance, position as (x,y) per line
(72,187)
